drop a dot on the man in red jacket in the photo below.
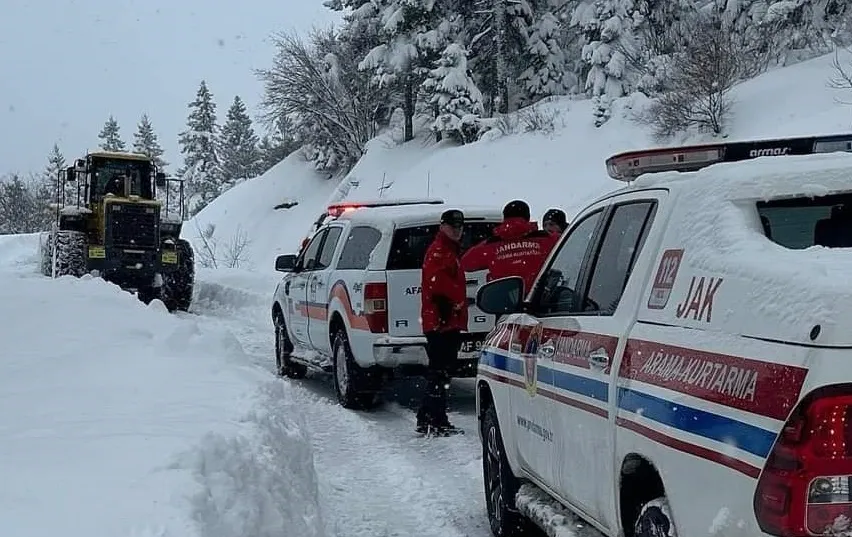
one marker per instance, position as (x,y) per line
(443,314)
(517,247)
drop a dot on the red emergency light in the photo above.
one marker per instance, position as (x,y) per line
(631,164)
(337,209)
(340,208)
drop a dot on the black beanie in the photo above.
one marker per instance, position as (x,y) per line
(453,217)
(557,216)
(517,209)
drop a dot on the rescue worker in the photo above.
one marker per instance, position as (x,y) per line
(516,248)
(555,221)
(443,313)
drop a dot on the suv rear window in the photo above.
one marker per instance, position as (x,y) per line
(409,244)
(799,223)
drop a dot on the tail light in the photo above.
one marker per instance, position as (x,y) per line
(806,485)
(376,306)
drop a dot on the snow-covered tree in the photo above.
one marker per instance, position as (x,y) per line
(609,36)
(201,168)
(701,78)
(277,145)
(111,137)
(238,153)
(498,32)
(54,173)
(413,34)
(784,30)
(453,93)
(330,103)
(545,74)
(146,142)
(21,210)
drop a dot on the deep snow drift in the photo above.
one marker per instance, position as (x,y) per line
(559,167)
(123,420)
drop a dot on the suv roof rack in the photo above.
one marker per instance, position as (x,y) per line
(629,165)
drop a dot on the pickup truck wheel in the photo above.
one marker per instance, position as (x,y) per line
(284,367)
(501,485)
(655,520)
(349,379)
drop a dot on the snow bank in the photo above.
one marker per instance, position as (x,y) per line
(261,482)
(248,210)
(19,252)
(120,419)
(561,165)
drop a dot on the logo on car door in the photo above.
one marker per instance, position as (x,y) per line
(530,356)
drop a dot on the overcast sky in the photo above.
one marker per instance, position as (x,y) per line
(66,65)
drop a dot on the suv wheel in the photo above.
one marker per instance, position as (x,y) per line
(284,367)
(350,381)
(501,485)
(655,520)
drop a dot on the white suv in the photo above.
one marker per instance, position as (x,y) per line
(683,365)
(349,303)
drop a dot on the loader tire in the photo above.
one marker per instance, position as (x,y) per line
(176,292)
(71,254)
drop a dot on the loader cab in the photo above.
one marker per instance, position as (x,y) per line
(123,175)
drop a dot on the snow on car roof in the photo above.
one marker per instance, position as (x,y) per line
(763,177)
(415,214)
(781,293)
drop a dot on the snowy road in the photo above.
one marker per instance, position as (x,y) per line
(376,477)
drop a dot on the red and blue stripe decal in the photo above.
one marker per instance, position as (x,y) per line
(762,388)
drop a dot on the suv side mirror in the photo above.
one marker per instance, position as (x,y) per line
(70,174)
(285,263)
(160,179)
(501,297)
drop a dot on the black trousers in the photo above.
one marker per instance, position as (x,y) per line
(442,348)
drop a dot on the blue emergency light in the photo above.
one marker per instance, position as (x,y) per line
(631,164)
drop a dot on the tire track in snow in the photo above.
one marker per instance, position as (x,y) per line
(377,478)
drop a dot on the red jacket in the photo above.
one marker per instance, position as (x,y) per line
(517,248)
(443,298)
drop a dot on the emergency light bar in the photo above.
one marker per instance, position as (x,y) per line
(336,209)
(631,164)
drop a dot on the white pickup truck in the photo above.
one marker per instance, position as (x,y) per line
(349,303)
(683,365)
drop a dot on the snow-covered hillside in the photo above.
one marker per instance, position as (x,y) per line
(120,419)
(563,168)
(247,215)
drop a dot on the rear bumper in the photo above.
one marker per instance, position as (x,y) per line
(408,355)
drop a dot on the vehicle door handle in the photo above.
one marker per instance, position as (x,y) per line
(287,288)
(318,283)
(599,359)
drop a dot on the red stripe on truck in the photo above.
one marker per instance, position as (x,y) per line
(764,388)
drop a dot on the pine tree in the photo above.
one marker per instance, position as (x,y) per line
(145,141)
(609,36)
(457,100)
(413,34)
(497,46)
(201,169)
(111,136)
(238,152)
(545,74)
(276,146)
(53,177)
